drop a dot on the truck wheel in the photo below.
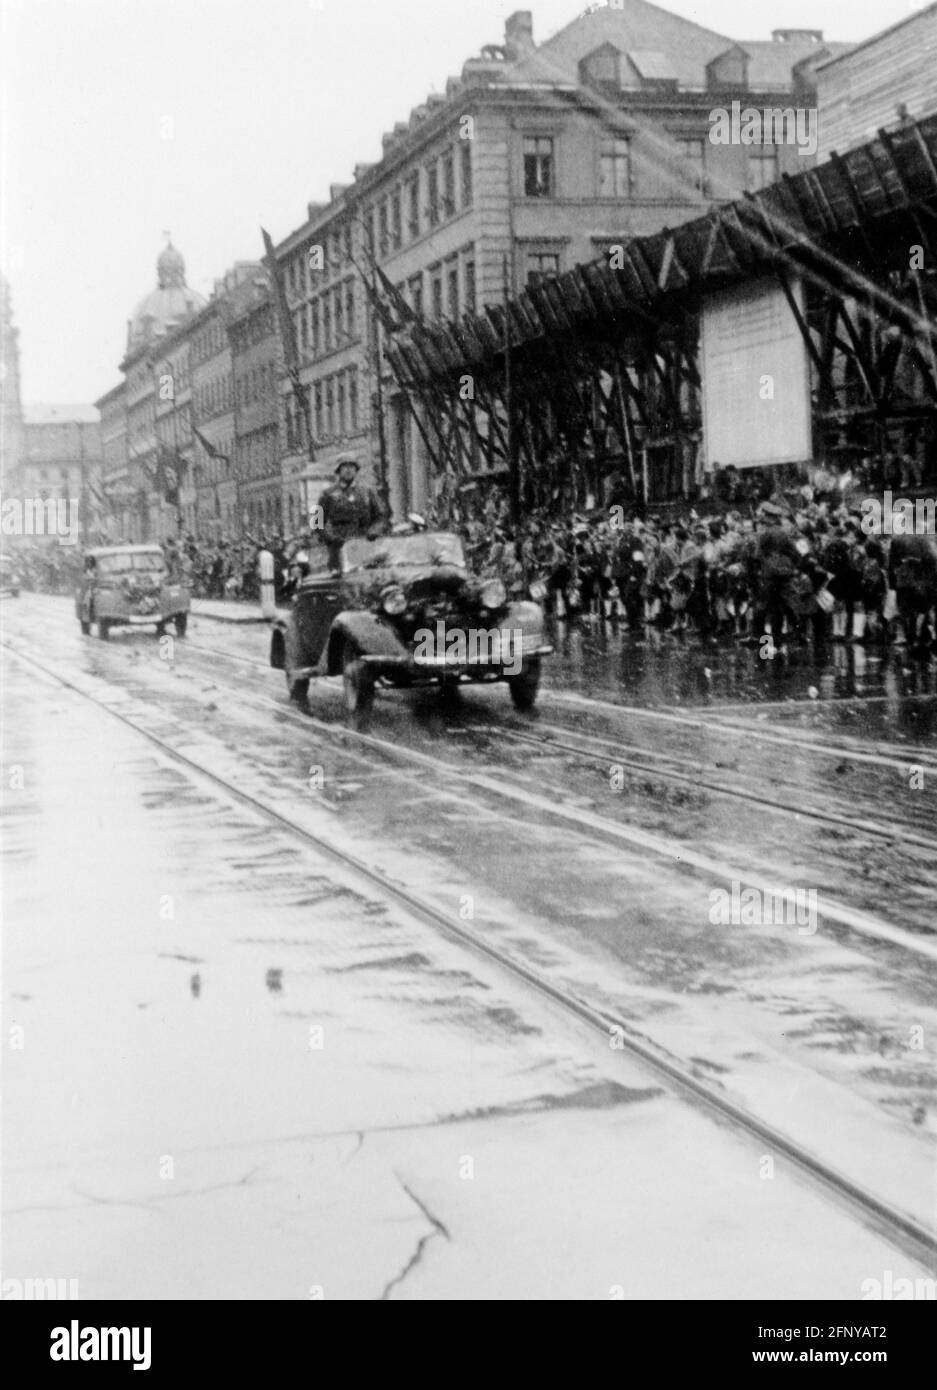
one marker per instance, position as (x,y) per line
(525,686)
(358,682)
(85,627)
(104,629)
(182,622)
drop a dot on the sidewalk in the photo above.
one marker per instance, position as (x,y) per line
(230,611)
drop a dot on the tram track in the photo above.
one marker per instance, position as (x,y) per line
(586,824)
(901,1228)
(606,752)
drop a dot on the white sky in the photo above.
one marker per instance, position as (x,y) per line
(267,103)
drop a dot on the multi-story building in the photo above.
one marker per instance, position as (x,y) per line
(536,158)
(175,460)
(212,415)
(62,459)
(268,490)
(148,358)
(115,467)
(11,409)
(888,78)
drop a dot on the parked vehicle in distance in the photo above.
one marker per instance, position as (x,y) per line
(11,581)
(130,586)
(404,610)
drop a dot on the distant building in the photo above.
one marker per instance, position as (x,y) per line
(154,321)
(888,78)
(11,408)
(62,460)
(174,458)
(537,157)
(268,494)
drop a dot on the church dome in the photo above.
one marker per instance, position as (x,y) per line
(164,308)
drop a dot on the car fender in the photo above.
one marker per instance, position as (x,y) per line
(524,615)
(369,634)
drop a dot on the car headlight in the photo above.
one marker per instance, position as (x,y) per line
(394,602)
(493,594)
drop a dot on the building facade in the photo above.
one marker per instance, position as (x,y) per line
(11,408)
(536,158)
(891,77)
(267,487)
(62,461)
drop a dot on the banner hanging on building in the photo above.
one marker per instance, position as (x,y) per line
(756,377)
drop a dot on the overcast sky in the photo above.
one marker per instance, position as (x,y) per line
(122,118)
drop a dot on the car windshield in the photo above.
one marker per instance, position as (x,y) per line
(148,560)
(424,548)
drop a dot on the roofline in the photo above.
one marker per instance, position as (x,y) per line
(874,38)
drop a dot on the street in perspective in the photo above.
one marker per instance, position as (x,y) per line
(469,659)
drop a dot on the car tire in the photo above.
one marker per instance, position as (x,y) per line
(161,629)
(298,690)
(526,686)
(85,627)
(104,629)
(182,622)
(358,684)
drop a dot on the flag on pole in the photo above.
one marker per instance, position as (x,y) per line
(207,445)
(288,336)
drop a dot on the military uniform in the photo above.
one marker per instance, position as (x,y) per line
(348,511)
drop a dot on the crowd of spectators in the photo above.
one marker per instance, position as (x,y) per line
(761,554)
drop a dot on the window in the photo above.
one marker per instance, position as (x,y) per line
(538,167)
(339,313)
(452,286)
(383,236)
(329,407)
(340,404)
(326,325)
(694,158)
(432,194)
(314,327)
(353,400)
(470,296)
(541,265)
(615,169)
(350,327)
(318,398)
(465,165)
(413,206)
(762,167)
(436,292)
(416,295)
(448,184)
(396,221)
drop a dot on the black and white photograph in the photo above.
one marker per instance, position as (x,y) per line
(468,650)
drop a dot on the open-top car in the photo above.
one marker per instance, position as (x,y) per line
(404,610)
(130,586)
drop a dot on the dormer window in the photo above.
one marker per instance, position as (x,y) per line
(654,69)
(601,69)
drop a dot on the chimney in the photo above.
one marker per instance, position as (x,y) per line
(519,32)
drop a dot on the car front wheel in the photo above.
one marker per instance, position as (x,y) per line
(104,629)
(298,690)
(526,685)
(358,682)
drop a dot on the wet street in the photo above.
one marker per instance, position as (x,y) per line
(631,997)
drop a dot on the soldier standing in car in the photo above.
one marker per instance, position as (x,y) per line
(348,509)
